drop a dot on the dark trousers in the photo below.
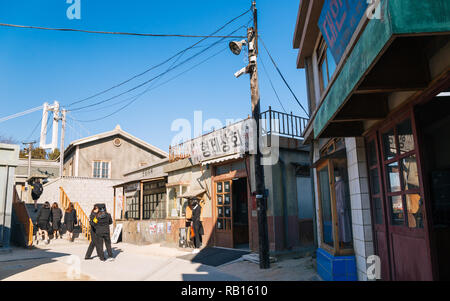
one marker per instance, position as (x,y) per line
(99,239)
(197,237)
(91,246)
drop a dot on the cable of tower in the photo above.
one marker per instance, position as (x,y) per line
(160,64)
(273,87)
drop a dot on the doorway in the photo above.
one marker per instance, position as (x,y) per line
(240,214)
(433,120)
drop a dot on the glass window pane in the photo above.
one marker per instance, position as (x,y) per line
(397,214)
(378,211)
(331,63)
(225,224)
(405,137)
(372,153)
(227,187)
(219,187)
(220,199)
(389,148)
(324,74)
(325,196)
(410,173)
(375,181)
(393,177)
(227,199)
(414,210)
(220,224)
(220,211)
(227,212)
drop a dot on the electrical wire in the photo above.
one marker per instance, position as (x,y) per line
(135,98)
(273,87)
(118,33)
(150,80)
(160,64)
(285,82)
(20,114)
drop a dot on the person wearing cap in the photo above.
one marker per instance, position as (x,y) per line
(194,204)
(102,221)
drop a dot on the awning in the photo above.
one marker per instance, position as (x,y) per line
(192,194)
(223,159)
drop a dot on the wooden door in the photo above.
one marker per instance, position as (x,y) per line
(402,232)
(224,213)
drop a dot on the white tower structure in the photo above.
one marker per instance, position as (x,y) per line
(55,110)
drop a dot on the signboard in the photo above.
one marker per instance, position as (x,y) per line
(116,234)
(237,138)
(338,22)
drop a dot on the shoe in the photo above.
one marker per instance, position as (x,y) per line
(103,260)
(110,259)
(88,258)
(196,251)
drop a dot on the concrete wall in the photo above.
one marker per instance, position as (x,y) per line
(85,191)
(126,157)
(9,157)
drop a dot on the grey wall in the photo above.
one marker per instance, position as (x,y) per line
(124,158)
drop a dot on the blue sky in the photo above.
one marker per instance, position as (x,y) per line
(42,66)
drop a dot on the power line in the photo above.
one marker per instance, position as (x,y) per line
(135,98)
(118,33)
(279,72)
(160,64)
(273,87)
(150,80)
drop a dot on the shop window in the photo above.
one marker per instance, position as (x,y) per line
(402,176)
(133,207)
(154,206)
(177,206)
(334,203)
(224,206)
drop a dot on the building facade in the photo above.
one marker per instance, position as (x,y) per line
(108,155)
(217,169)
(378,81)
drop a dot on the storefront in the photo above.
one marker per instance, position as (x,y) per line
(378,78)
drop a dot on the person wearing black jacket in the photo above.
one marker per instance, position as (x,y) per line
(102,221)
(56,218)
(92,245)
(43,221)
(196,224)
(70,220)
(36,192)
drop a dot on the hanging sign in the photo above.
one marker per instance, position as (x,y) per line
(338,22)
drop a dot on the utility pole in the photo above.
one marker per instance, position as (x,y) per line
(29,148)
(261,198)
(63,132)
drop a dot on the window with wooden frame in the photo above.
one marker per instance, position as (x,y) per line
(326,64)
(154,201)
(334,202)
(405,203)
(224,206)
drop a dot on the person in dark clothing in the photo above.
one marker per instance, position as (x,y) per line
(102,221)
(36,192)
(91,247)
(43,222)
(70,220)
(56,218)
(196,224)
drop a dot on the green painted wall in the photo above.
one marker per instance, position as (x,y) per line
(400,17)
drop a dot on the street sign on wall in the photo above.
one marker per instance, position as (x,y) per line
(338,22)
